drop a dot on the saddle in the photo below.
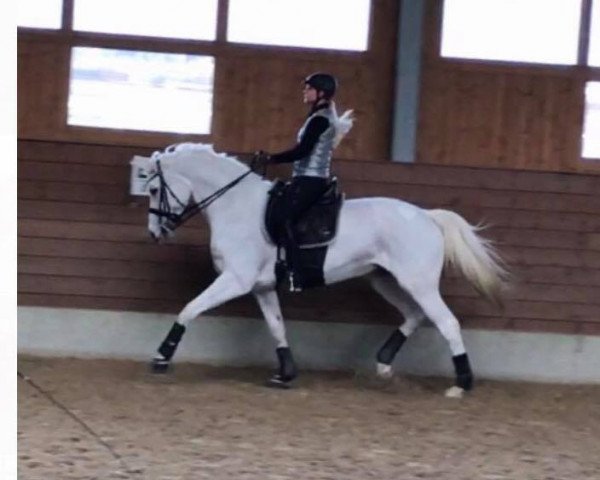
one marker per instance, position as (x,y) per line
(316,228)
(312,234)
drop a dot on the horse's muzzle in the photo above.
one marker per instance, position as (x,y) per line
(154,236)
(166,231)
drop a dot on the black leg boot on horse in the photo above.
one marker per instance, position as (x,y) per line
(160,363)
(387,353)
(287,369)
(464,374)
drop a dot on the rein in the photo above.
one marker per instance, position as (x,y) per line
(191,209)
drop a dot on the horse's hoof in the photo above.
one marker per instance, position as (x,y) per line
(454,392)
(276,381)
(159,365)
(384,371)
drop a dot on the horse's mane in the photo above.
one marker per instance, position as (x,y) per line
(190,148)
(193,147)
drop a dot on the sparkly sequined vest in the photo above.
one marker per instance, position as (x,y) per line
(318,162)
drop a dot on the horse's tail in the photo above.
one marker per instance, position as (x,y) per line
(474,256)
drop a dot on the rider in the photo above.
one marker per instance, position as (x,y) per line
(311,157)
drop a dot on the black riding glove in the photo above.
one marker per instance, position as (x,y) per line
(261,160)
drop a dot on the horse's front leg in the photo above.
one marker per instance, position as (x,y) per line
(226,287)
(269,305)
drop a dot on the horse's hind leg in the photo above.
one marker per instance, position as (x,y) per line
(437,311)
(226,287)
(269,305)
(386,285)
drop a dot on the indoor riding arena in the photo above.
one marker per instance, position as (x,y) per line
(487,109)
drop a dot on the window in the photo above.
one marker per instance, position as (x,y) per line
(594,50)
(333,24)
(591,125)
(140,90)
(39,13)
(189,19)
(591,128)
(535,31)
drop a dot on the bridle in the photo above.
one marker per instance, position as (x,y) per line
(164,210)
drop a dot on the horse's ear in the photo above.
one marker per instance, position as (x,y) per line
(142,162)
(211,150)
(140,172)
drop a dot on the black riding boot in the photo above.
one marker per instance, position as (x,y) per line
(292,260)
(281,269)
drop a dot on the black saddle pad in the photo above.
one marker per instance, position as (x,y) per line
(316,228)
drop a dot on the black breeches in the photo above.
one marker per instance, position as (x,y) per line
(302,194)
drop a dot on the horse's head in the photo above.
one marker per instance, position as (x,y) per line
(170,194)
(181,172)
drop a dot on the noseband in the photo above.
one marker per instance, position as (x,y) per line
(190,209)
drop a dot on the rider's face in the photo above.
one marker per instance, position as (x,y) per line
(309,94)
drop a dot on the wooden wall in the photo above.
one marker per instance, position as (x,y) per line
(257,89)
(495,114)
(488,114)
(83,241)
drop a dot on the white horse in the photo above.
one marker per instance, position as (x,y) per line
(399,246)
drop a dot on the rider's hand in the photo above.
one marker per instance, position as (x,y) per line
(261,159)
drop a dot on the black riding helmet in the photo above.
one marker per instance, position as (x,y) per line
(322,82)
